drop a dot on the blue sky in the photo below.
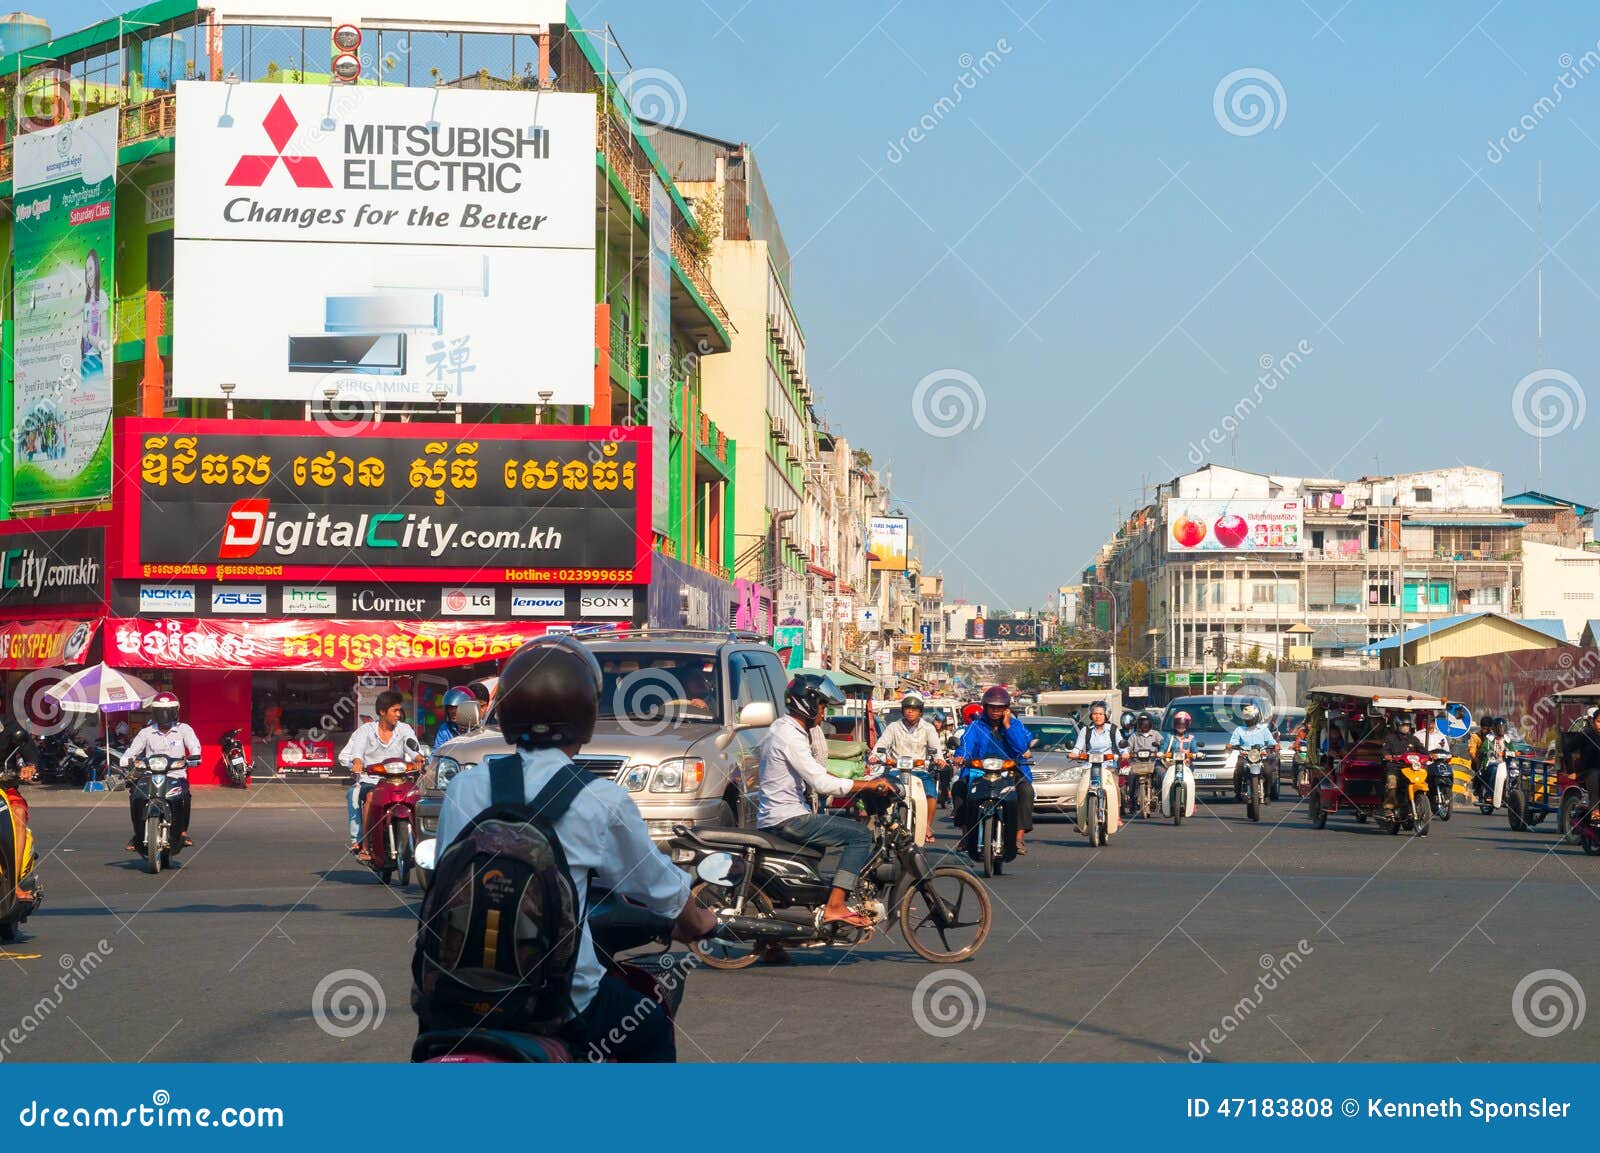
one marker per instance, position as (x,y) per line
(1083,238)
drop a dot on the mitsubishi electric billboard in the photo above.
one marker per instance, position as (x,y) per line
(363,244)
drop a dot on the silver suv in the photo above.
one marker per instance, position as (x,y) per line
(682,718)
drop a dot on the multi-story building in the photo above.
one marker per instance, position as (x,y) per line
(760,391)
(1374,557)
(1560,584)
(193,180)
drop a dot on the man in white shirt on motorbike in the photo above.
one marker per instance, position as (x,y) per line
(907,741)
(1099,736)
(164,736)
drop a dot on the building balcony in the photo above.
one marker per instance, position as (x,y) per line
(153,119)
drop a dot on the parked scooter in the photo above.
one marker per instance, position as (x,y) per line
(614,927)
(63,761)
(391,816)
(158,791)
(20,890)
(236,767)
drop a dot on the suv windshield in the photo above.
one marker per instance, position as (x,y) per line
(655,686)
(1219,716)
(1052,734)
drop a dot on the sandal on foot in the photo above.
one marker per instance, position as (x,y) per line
(851,917)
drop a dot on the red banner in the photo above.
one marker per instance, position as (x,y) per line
(314,645)
(44,644)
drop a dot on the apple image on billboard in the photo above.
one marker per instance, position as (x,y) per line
(1188,532)
(1231,529)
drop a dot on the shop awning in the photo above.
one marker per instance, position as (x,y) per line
(290,645)
(47,644)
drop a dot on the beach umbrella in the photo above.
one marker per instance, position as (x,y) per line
(100,689)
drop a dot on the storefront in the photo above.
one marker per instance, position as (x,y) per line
(685,597)
(288,577)
(52,603)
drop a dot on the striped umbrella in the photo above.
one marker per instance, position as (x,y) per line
(100,689)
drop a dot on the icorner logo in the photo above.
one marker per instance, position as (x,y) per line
(166,598)
(230,599)
(252,170)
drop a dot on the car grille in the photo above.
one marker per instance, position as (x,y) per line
(605,768)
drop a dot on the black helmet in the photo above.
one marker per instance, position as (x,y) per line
(1144,721)
(808,694)
(549,694)
(997,695)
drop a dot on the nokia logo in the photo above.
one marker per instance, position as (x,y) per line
(166,598)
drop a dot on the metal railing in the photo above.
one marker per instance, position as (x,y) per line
(151,119)
(128,317)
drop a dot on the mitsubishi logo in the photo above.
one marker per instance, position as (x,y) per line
(305,171)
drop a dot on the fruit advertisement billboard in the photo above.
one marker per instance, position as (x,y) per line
(1254,526)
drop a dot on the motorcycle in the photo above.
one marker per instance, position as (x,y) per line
(391,824)
(20,891)
(153,785)
(1140,798)
(236,766)
(768,890)
(921,807)
(1253,785)
(1177,790)
(614,927)
(1441,783)
(63,761)
(1413,810)
(1095,812)
(991,835)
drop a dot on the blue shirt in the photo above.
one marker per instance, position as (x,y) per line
(447,732)
(1256,737)
(1011,744)
(1175,744)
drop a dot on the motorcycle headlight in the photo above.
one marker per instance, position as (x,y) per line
(993,764)
(678,776)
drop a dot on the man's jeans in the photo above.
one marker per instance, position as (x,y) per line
(354,800)
(851,837)
(622,1024)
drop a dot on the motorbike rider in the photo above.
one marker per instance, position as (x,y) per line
(16,769)
(1495,752)
(1585,749)
(449,728)
(908,740)
(790,764)
(941,775)
(1176,746)
(1144,739)
(994,732)
(549,699)
(164,736)
(1400,741)
(381,739)
(1099,736)
(1253,732)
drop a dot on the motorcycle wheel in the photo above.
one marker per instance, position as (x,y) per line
(1253,805)
(1180,804)
(1319,818)
(1517,810)
(968,902)
(1091,820)
(1421,814)
(153,856)
(1591,847)
(990,832)
(1567,816)
(732,953)
(404,851)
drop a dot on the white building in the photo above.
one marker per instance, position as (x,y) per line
(1560,584)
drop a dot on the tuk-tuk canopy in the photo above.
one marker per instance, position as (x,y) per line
(1381,697)
(1578,693)
(848,682)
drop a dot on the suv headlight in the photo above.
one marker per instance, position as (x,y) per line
(443,769)
(681,775)
(635,779)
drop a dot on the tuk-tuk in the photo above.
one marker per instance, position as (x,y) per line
(1568,785)
(1345,729)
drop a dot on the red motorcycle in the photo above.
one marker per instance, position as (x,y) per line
(390,817)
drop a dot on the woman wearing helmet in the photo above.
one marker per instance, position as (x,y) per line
(996,733)
(549,698)
(794,759)
(1179,744)
(164,736)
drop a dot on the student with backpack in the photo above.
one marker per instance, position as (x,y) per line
(525,838)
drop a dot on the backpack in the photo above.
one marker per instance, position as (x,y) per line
(501,923)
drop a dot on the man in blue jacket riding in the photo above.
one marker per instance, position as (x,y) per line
(995,733)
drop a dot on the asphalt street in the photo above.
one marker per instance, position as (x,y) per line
(1240,942)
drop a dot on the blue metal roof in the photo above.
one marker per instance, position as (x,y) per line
(1545,500)
(1553,629)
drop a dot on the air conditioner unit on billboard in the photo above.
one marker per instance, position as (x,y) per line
(372,354)
(368,315)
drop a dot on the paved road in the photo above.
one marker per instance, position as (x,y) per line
(1411,948)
